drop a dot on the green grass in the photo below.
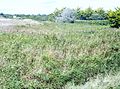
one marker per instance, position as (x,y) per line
(96,22)
(50,55)
(109,81)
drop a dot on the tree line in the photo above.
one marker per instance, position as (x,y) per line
(71,15)
(87,14)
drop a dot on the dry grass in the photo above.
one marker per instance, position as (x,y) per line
(107,82)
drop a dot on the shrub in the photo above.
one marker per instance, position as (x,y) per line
(114,18)
(96,17)
(67,15)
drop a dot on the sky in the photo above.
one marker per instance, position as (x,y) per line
(48,6)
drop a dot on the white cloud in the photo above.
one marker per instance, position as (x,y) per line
(48,6)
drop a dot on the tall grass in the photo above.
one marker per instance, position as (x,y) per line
(54,55)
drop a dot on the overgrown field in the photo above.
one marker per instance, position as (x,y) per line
(51,55)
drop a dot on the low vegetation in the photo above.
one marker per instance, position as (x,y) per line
(70,54)
(109,81)
(53,55)
(93,22)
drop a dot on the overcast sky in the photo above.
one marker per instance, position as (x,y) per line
(48,6)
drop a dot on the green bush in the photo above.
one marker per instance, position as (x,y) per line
(114,18)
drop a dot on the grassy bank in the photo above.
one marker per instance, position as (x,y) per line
(49,56)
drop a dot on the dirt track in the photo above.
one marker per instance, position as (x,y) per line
(8,25)
(12,22)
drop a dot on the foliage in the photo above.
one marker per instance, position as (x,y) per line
(96,17)
(90,14)
(102,13)
(114,18)
(67,15)
(52,16)
(63,15)
(80,14)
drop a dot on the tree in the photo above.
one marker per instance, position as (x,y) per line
(101,13)
(114,18)
(78,14)
(67,15)
(57,12)
(88,13)
(52,16)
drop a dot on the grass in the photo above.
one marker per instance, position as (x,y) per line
(96,22)
(51,55)
(109,81)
